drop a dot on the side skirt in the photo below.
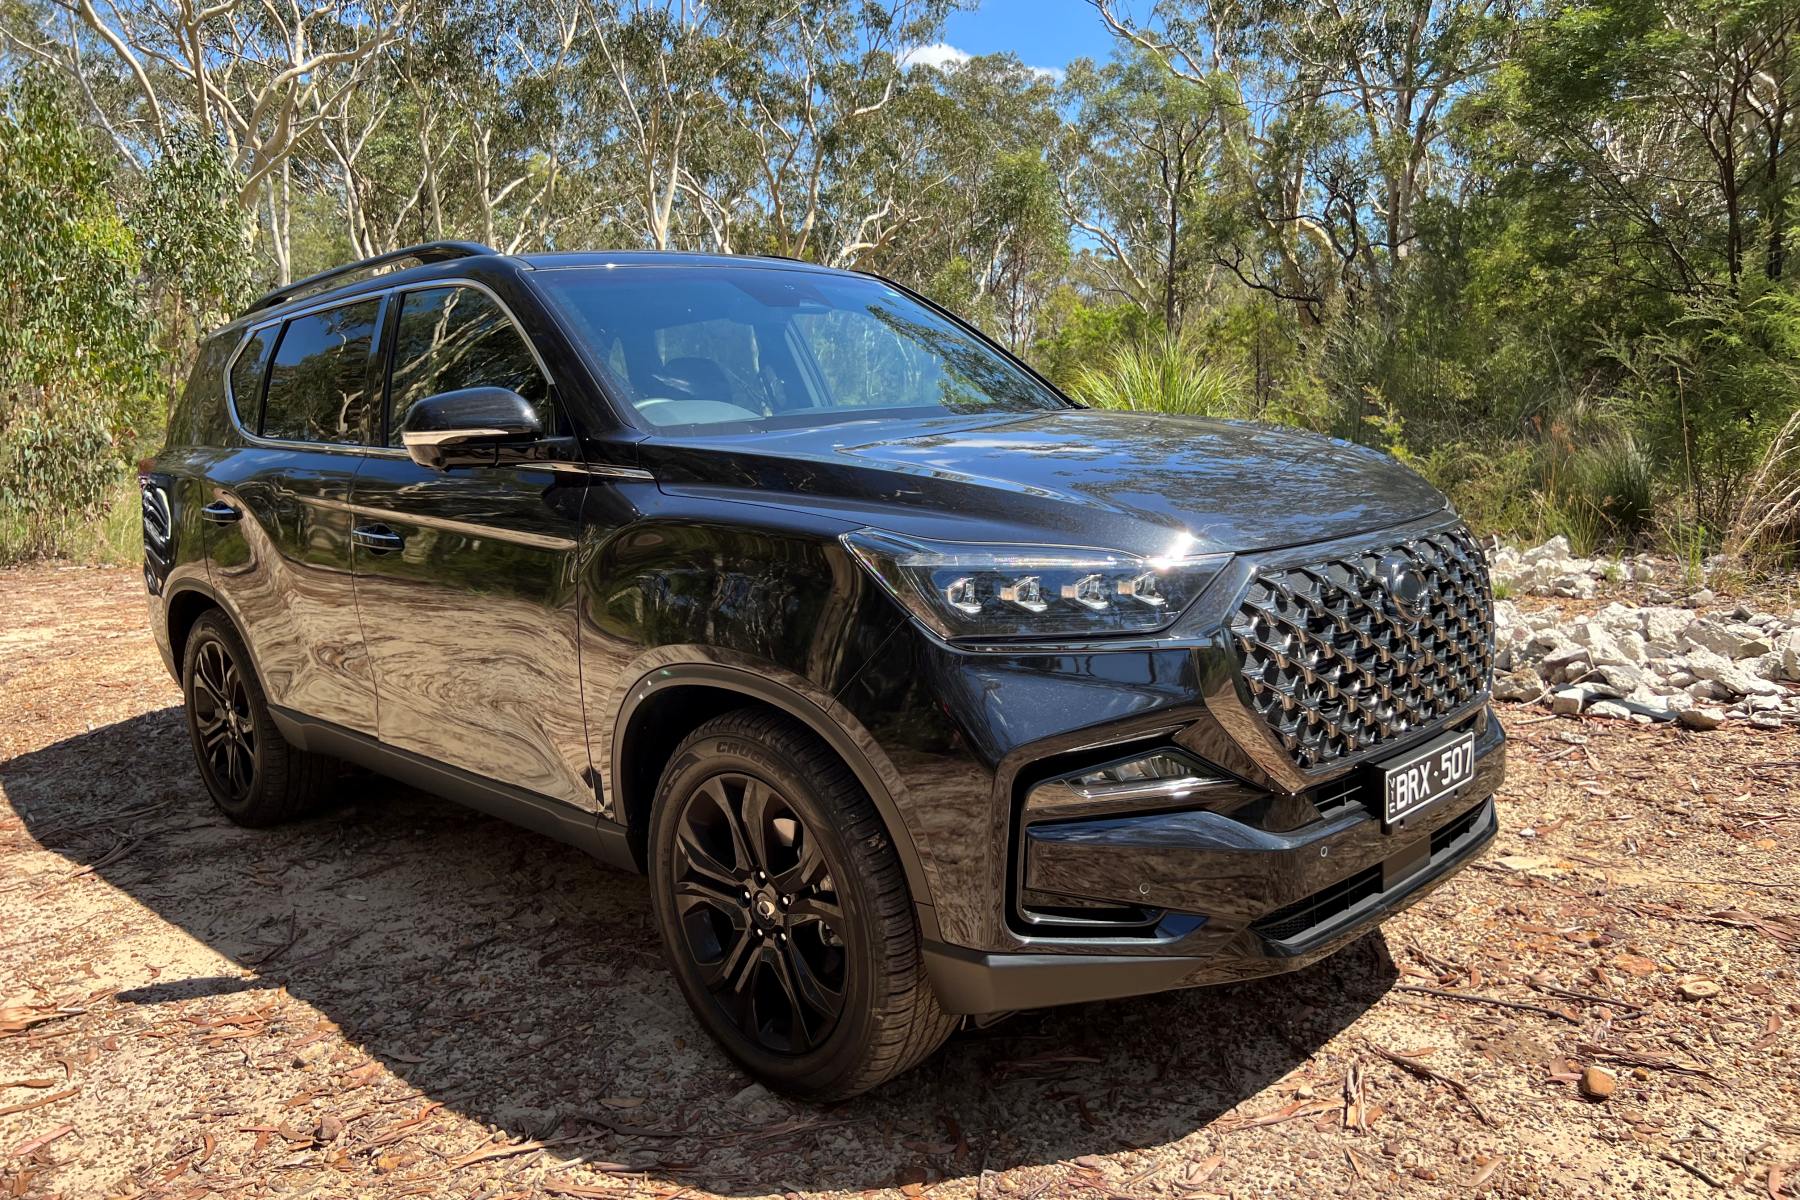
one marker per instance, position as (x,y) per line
(587,831)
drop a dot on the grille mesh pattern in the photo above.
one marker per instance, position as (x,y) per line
(1335,667)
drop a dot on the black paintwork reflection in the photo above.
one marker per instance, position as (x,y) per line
(670,580)
(470,623)
(284,568)
(1147,483)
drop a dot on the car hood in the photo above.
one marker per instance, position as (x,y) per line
(1141,482)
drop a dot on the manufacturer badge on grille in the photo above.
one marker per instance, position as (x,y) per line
(1404,582)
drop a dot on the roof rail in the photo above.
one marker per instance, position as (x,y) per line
(428,252)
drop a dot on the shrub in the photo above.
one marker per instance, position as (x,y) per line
(1170,375)
(77,357)
(1612,485)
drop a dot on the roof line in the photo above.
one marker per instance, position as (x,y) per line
(426,252)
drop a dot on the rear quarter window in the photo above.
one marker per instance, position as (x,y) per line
(247,377)
(318,389)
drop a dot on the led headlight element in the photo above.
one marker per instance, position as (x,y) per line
(978,590)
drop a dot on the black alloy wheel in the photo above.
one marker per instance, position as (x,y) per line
(253,774)
(759,913)
(224,725)
(785,912)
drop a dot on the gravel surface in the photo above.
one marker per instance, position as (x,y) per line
(403,998)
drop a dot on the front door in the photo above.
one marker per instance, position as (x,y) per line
(464,577)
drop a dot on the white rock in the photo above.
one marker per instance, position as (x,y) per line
(1789,649)
(1567,701)
(1564,662)
(1662,625)
(1701,718)
(1522,684)
(1727,674)
(1609,708)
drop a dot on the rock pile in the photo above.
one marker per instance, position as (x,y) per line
(1551,570)
(1652,663)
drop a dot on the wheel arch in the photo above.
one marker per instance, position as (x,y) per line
(186,606)
(666,702)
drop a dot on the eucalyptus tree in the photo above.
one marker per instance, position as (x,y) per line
(1137,159)
(259,77)
(811,90)
(1336,116)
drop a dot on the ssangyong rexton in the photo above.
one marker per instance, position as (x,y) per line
(918,690)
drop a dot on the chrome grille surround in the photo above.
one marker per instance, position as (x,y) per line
(1335,667)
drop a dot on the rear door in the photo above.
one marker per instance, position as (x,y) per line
(465,578)
(305,399)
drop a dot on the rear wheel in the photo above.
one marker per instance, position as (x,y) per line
(784,910)
(255,777)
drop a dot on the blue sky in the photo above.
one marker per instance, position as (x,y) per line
(1043,33)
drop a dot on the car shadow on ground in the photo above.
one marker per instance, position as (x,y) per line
(520,985)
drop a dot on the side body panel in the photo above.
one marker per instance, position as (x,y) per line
(470,621)
(283,568)
(673,582)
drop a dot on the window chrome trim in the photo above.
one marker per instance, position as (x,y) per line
(390,292)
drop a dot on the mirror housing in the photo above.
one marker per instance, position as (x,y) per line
(468,427)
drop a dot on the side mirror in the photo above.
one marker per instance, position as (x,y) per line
(467,427)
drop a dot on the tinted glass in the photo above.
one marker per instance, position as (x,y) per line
(457,337)
(746,346)
(247,377)
(319,379)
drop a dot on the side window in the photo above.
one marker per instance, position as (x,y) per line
(457,337)
(319,379)
(247,378)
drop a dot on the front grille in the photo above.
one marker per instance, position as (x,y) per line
(1335,667)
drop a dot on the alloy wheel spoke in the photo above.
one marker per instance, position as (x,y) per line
(730,973)
(714,790)
(724,898)
(782,967)
(808,871)
(756,822)
(211,669)
(818,908)
(820,996)
(700,860)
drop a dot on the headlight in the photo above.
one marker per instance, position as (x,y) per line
(978,590)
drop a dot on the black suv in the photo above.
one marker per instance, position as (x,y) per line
(919,691)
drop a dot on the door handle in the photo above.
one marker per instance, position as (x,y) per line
(377,539)
(221,512)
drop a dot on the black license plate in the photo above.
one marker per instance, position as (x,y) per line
(1436,772)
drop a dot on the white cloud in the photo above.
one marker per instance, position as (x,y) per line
(936,54)
(943,56)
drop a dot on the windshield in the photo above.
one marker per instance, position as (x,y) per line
(754,347)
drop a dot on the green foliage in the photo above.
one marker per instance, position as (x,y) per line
(194,238)
(1167,375)
(76,345)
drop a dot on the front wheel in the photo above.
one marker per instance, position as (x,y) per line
(255,777)
(784,910)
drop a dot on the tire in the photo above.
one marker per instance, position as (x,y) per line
(759,958)
(253,774)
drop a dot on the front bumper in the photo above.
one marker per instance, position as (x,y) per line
(1233,901)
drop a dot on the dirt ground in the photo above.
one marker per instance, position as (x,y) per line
(403,998)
